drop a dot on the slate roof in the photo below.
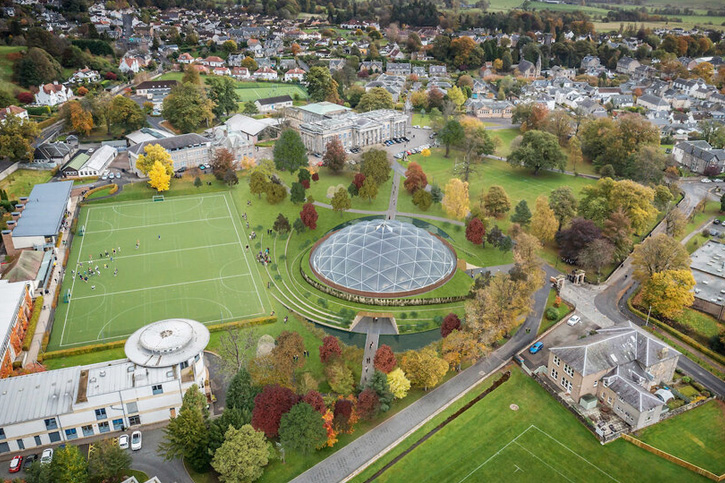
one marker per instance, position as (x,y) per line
(624,381)
(609,348)
(172,143)
(702,150)
(51,151)
(274,100)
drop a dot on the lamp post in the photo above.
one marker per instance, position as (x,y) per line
(646,323)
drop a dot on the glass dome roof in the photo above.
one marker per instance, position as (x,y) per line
(384,257)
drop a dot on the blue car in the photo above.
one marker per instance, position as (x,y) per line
(536,347)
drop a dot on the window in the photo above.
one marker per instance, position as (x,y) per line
(184,365)
(2,433)
(88,430)
(157,389)
(51,423)
(21,444)
(4,447)
(54,436)
(568,370)
(134,420)
(118,424)
(101,414)
(196,358)
(103,427)
(566,384)
(37,441)
(554,373)
(132,407)
(557,361)
(71,433)
(609,400)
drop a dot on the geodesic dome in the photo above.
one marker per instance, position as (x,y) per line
(383,257)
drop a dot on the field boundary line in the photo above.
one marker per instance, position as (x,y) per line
(244,254)
(73,283)
(575,453)
(166,251)
(156,224)
(167,200)
(496,453)
(545,463)
(162,286)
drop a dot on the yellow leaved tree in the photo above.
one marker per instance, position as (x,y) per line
(455,198)
(159,178)
(669,292)
(398,383)
(425,152)
(155,153)
(543,223)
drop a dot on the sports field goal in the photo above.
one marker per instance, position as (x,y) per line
(158,197)
(66,297)
(82,230)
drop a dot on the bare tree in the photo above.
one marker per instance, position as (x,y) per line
(236,348)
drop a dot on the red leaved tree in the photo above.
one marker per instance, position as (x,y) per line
(111,76)
(315,177)
(475,231)
(368,403)
(305,183)
(308,215)
(342,413)
(25,97)
(450,323)
(415,178)
(314,399)
(269,407)
(330,349)
(358,180)
(385,359)
(334,157)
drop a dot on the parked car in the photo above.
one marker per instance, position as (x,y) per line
(536,347)
(416,126)
(716,221)
(706,180)
(47,456)
(573,320)
(29,460)
(123,441)
(15,464)
(104,177)
(136,440)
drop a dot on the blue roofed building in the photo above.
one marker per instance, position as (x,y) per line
(38,218)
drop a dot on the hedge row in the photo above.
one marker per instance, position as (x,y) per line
(114,188)
(32,325)
(48,122)
(678,335)
(57,296)
(87,349)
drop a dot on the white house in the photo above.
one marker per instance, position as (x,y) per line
(52,94)
(82,76)
(131,64)
(16,111)
(164,359)
(266,73)
(221,71)
(295,74)
(270,104)
(213,61)
(240,73)
(186,58)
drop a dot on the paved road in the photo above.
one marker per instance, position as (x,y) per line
(363,451)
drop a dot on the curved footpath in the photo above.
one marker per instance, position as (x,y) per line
(363,451)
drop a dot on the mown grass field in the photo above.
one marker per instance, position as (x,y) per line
(21,182)
(697,436)
(251,91)
(6,68)
(539,441)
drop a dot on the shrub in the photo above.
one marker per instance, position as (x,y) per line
(273,267)
(25,97)
(404,315)
(552,313)
(687,379)
(322,302)
(414,314)
(698,386)
(33,323)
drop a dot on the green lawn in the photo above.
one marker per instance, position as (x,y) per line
(503,138)
(541,441)
(706,326)
(6,68)
(697,436)
(105,191)
(563,310)
(21,182)
(251,91)
(185,255)
(519,183)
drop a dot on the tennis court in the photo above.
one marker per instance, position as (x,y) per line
(251,91)
(182,257)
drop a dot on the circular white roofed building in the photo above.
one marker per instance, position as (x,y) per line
(174,344)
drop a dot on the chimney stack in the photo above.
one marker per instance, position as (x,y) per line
(8,240)
(15,215)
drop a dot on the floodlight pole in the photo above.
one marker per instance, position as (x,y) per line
(646,323)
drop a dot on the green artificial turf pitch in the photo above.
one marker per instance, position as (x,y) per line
(191,262)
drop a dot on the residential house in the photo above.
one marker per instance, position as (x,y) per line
(57,153)
(336,64)
(83,76)
(437,71)
(185,58)
(398,68)
(131,64)
(592,109)
(590,62)
(223,70)
(697,156)
(621,366)
(53,94)
(266,73)
(528,69)
(213,61)
(489,108)
(16,111)
(271,104)
(240,73)
(294,75)
(16,306)
(654,103)
(186,150)
(372,66)
(627,65)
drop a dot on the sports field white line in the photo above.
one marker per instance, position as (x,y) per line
(545,463)
(495,454)
(577,454)
(202,247)
(73,283)
(154,225)
(244,255)
(105,294)
(117,204)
